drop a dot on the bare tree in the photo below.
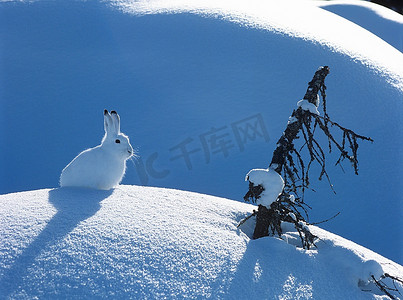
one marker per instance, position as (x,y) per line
(290,162)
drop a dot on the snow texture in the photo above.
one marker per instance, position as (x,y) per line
(270,180)
(205,89)
(152,243)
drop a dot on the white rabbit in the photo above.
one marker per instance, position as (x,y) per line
(103,166)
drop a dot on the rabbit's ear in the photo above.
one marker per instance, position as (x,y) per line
(108,122)
(116,121)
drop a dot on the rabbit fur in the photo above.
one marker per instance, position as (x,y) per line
(103,166)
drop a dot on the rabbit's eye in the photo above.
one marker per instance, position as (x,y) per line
(117,141)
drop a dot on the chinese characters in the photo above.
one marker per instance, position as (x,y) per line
(215,142)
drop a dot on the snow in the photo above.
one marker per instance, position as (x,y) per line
(306,105)
(214,80)
(381,21)
(270,180)
(147,243)
(292,119)
(301,21)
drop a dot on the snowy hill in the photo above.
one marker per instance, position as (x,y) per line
(381,21)
(182,74)
(153,243)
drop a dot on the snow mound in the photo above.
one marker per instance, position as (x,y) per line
(271,181)
(148,243)
(302,21)
(381,21)
(205,88)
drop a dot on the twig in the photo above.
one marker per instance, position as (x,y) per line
(289,163)
(382,287)
(324,221)
(392,277)
(247,218)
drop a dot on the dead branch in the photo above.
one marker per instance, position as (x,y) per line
(289,162)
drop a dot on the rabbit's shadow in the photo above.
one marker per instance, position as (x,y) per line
(73,206)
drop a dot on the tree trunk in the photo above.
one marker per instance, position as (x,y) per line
(262,222)
(285,144)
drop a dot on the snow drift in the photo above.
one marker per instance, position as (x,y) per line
(150,243)
(205,89)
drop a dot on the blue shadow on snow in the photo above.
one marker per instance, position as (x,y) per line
(73,206)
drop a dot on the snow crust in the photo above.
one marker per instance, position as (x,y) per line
(148,243)
(271,181)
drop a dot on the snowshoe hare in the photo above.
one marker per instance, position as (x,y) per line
(103,166)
